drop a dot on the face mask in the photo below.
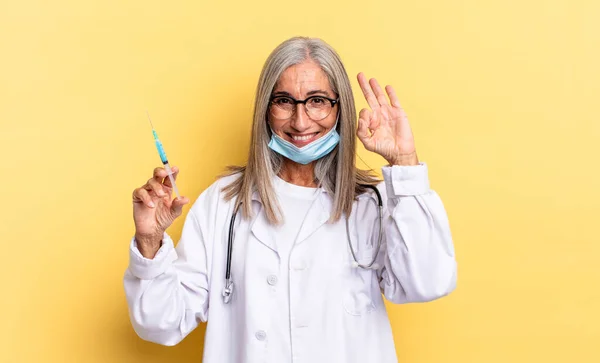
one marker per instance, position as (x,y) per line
(304,155)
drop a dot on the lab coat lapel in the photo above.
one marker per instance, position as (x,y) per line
(318,213)
(261,229)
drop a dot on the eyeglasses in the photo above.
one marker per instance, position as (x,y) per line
(317,107)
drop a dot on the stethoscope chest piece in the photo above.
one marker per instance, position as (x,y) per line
(227,291)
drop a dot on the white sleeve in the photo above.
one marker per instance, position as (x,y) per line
(418,256)
(168,295)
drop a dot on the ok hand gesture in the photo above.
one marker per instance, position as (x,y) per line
(384,129)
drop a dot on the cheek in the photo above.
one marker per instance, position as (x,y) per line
(329,122)
(276,126)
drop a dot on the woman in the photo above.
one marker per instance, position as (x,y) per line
(308,261)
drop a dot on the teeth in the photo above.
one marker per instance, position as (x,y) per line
(302,138)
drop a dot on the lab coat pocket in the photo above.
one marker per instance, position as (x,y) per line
(357,298)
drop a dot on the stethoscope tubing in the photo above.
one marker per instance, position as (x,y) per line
(228,289)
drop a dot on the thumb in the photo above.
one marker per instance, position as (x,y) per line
(177,205)
(362,132)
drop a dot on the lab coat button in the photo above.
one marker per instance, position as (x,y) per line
(261,335)
(272,280)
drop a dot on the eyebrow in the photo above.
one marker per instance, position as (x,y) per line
(308,94)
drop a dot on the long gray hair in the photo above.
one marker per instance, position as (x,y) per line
(335,172)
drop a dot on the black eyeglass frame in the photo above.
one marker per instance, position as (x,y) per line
(304,101)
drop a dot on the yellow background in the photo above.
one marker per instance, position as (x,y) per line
(502,96)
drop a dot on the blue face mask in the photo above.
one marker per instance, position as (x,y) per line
(311,152)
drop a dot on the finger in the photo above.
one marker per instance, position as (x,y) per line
(393,98)
(381,98)
(177,205)
(372,121)
(141,195)
(167,180)
(362,132)
(175,171)
(367,91)
(365,115)
(160,174)
(156,187)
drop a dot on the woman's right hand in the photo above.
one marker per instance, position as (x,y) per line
(154,211)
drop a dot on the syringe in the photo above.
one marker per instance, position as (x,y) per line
(163,157)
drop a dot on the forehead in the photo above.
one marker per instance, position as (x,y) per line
(302,78)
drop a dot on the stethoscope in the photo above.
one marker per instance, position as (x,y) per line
(228,289)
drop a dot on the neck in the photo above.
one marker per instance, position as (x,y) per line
(298,174)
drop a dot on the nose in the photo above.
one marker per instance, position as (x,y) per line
(300,120)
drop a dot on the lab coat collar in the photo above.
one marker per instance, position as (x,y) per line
(261,228)
(318,214)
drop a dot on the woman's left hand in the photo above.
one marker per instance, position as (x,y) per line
(384,129)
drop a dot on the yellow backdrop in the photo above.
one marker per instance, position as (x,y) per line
(502,96)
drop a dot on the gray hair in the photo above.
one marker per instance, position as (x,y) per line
(335,172)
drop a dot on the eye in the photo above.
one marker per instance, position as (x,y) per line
(282,101)
(318,101)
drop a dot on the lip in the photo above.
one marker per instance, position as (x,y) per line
(299,143)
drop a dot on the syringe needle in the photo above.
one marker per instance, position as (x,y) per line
(149,119)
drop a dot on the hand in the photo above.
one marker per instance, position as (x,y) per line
(154,211)
(385,129)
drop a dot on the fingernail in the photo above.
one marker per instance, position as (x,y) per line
(151,205)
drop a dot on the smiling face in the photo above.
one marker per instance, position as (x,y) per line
(300,82)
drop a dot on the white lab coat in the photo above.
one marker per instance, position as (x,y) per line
(336,311)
